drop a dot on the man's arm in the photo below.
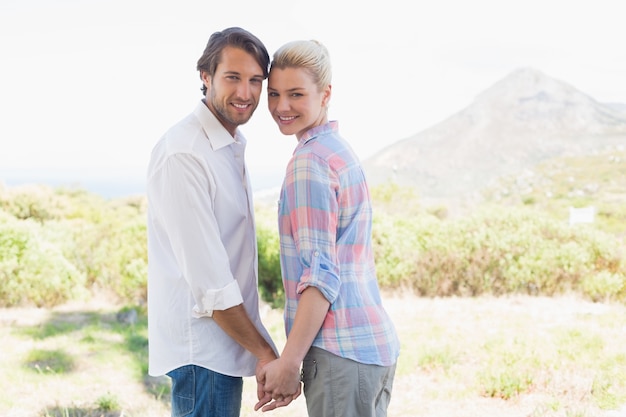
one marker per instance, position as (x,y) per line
(236,323)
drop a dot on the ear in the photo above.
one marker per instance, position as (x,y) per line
(206,78)
(326,95)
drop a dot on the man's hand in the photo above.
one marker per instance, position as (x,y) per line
(277,403)
(262,396)
(281,382)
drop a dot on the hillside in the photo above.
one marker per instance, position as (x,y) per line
(522,120)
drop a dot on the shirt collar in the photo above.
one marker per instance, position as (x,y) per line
(216,133)
(332,126)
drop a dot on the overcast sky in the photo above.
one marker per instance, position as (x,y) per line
(88,86)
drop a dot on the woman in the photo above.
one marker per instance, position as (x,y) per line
(334,318)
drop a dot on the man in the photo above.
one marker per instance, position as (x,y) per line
(204,325)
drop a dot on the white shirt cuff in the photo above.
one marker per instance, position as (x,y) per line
(221,299)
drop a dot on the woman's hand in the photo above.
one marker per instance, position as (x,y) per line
(281,383)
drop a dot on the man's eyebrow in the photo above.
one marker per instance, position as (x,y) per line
(238,73)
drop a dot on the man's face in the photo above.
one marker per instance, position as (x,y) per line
(233,92)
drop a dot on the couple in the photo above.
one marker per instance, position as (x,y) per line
(205,330)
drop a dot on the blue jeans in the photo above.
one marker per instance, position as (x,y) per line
(199,392)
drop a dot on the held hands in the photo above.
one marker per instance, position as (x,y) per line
(263,397)
(278,381)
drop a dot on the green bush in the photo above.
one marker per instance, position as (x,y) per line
(496,251)
(270,279)
(59,244)
(33,269)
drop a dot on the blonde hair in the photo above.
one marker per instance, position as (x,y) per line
(310,55)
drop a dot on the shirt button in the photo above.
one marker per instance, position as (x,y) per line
(316,253)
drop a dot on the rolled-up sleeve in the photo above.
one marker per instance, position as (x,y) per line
(219,299)
(313,215)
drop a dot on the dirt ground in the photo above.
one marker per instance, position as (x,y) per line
(417,392)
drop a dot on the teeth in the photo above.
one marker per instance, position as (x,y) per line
(240,106)
(286,119)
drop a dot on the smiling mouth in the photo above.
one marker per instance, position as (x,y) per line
(241,106)
(286,118)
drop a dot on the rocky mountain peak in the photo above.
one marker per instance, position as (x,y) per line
(518,122)
(528,99)
(526,82)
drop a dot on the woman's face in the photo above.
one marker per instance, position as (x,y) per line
(295,102)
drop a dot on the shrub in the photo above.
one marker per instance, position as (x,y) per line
(495,251)
(33,269)
(270,278)
(57,245)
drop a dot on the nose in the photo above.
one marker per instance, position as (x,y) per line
(244,91)
(282,103)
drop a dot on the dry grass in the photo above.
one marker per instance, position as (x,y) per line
(573,351)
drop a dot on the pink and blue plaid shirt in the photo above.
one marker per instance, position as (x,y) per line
(325,224)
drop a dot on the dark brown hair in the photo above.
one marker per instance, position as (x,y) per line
(237,37)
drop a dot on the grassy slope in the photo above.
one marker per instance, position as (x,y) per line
(513,356)
(596,180)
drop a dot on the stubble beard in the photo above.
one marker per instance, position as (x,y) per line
(227,114)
